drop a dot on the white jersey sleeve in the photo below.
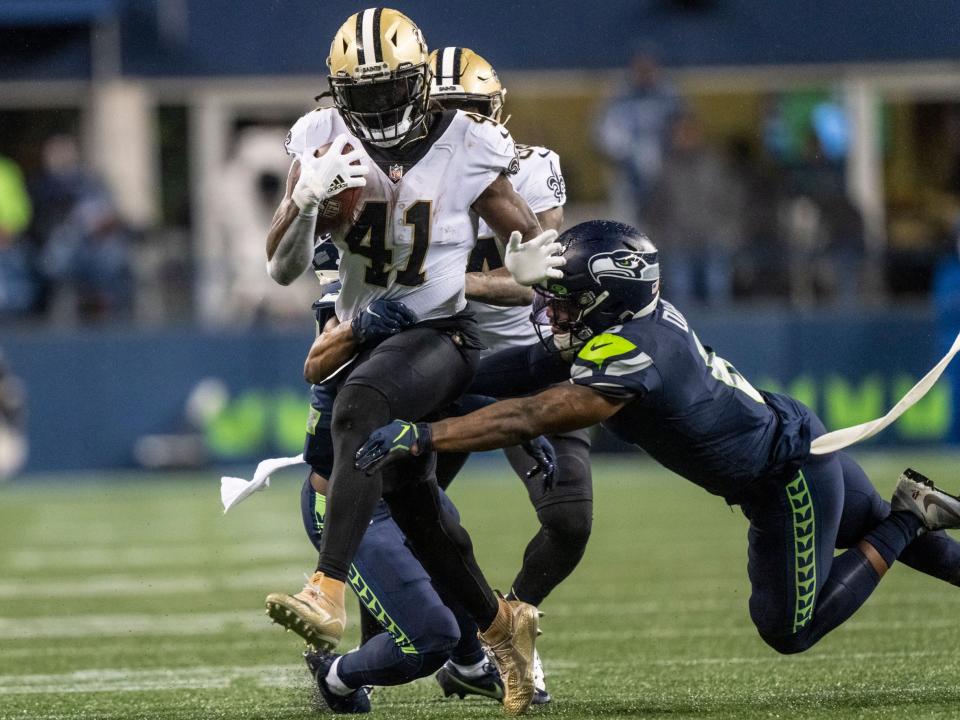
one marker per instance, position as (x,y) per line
(492,152)
(314,129)
(540,181)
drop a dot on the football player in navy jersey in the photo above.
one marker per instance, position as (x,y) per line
(645,375)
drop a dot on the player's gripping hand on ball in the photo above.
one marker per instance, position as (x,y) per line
(535,261)
(381,319)
(328,175)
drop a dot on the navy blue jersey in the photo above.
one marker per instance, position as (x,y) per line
(689,408)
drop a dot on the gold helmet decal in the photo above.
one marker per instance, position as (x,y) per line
(464,80)
(379,74)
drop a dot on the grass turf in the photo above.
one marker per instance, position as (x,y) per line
(138,599)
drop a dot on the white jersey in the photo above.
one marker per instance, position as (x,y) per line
(540,183)
(412,237)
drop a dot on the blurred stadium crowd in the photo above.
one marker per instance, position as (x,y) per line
(744,219)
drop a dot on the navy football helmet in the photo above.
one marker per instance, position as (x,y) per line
(612,275)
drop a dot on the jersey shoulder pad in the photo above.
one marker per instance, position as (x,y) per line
(540,181)
(490,143)
(317,127)
(614,362)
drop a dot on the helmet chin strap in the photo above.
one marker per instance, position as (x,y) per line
(649,308)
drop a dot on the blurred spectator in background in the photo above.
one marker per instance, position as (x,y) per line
(696,215)
(238,290)
(632,133)
(18,285)
(62,183)
(87,260)
(13,442)
(825,231)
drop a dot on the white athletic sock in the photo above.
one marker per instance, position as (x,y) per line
(334,682)
(471,671)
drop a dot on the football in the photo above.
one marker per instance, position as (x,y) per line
(339,210)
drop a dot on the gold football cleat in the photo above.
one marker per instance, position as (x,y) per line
(511,639)
(316,613)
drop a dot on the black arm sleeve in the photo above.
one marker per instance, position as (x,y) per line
(519,371)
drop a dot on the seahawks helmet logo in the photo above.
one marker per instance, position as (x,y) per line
(626,265)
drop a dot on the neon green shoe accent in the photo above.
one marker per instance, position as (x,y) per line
(604,347)
(805,550)
(365,593)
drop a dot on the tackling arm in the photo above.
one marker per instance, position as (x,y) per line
(497,287)
(332,348)
(561,408)
(510,422)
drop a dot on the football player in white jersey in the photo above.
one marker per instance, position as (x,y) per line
(427,177)
(463,79)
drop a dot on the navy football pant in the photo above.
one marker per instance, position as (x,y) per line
(800,591)
(422,632)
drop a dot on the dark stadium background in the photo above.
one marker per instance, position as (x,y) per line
(158,94)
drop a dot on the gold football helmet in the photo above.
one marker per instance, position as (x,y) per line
(465,81)
(379,75)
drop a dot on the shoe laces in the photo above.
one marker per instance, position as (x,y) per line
(309,585)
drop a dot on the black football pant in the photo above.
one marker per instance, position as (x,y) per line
(409,376)
(565,512)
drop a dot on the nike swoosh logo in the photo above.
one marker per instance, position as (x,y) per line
(481,78)
(601,345)
(931,499)
(544,153)
(504,134)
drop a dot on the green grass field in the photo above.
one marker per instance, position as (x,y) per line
(139,599)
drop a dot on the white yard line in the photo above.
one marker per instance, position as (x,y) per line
(203,677)
(152,584)
(79,626)
(208,677)
(150,556)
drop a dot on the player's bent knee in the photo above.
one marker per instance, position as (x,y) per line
(569,522)
(358,410)
(788,644)
(442,636)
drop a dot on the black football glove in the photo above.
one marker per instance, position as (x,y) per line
(381,319)
(545,456)
(392,442)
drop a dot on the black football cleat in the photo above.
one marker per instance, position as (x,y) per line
(355,703)
(488,685)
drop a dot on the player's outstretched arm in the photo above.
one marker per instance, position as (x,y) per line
(558,409)
(497,287)
(503,424)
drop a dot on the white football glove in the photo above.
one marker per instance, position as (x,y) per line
(325,176)
(536,260)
